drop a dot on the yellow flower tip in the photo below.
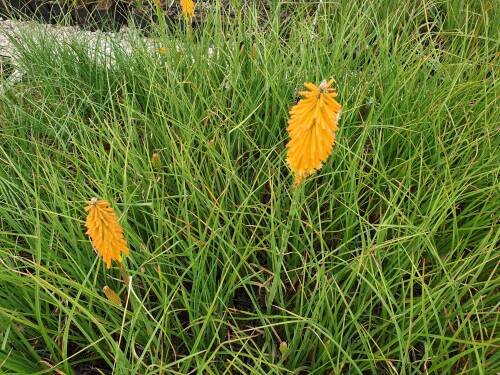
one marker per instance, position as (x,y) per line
(105,232)
(253,51)
(112,296)
(187,7)
(301,176)
(283,347)
(311,128)
(162,50)
(156,161)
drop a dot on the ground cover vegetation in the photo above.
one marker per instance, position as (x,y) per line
(384,261)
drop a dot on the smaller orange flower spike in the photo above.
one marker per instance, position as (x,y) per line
(187,8)
(311,128)
(112,296)
(105,232)
(156,161)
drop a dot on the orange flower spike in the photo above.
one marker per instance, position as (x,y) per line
(112,296)
(105,232)
(187,8)
(311,129)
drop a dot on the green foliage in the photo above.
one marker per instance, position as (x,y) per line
(383,262)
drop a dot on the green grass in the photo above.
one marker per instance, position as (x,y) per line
(384,262)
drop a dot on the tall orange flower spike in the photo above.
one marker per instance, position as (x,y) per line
(187,8)
(105,232)
(311,129)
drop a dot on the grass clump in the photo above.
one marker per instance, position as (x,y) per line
(383,262)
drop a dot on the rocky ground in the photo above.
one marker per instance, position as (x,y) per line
(99,41)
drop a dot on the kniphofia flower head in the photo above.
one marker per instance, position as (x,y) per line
(187,7)
(311,128)
(112,296)
(105,232)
